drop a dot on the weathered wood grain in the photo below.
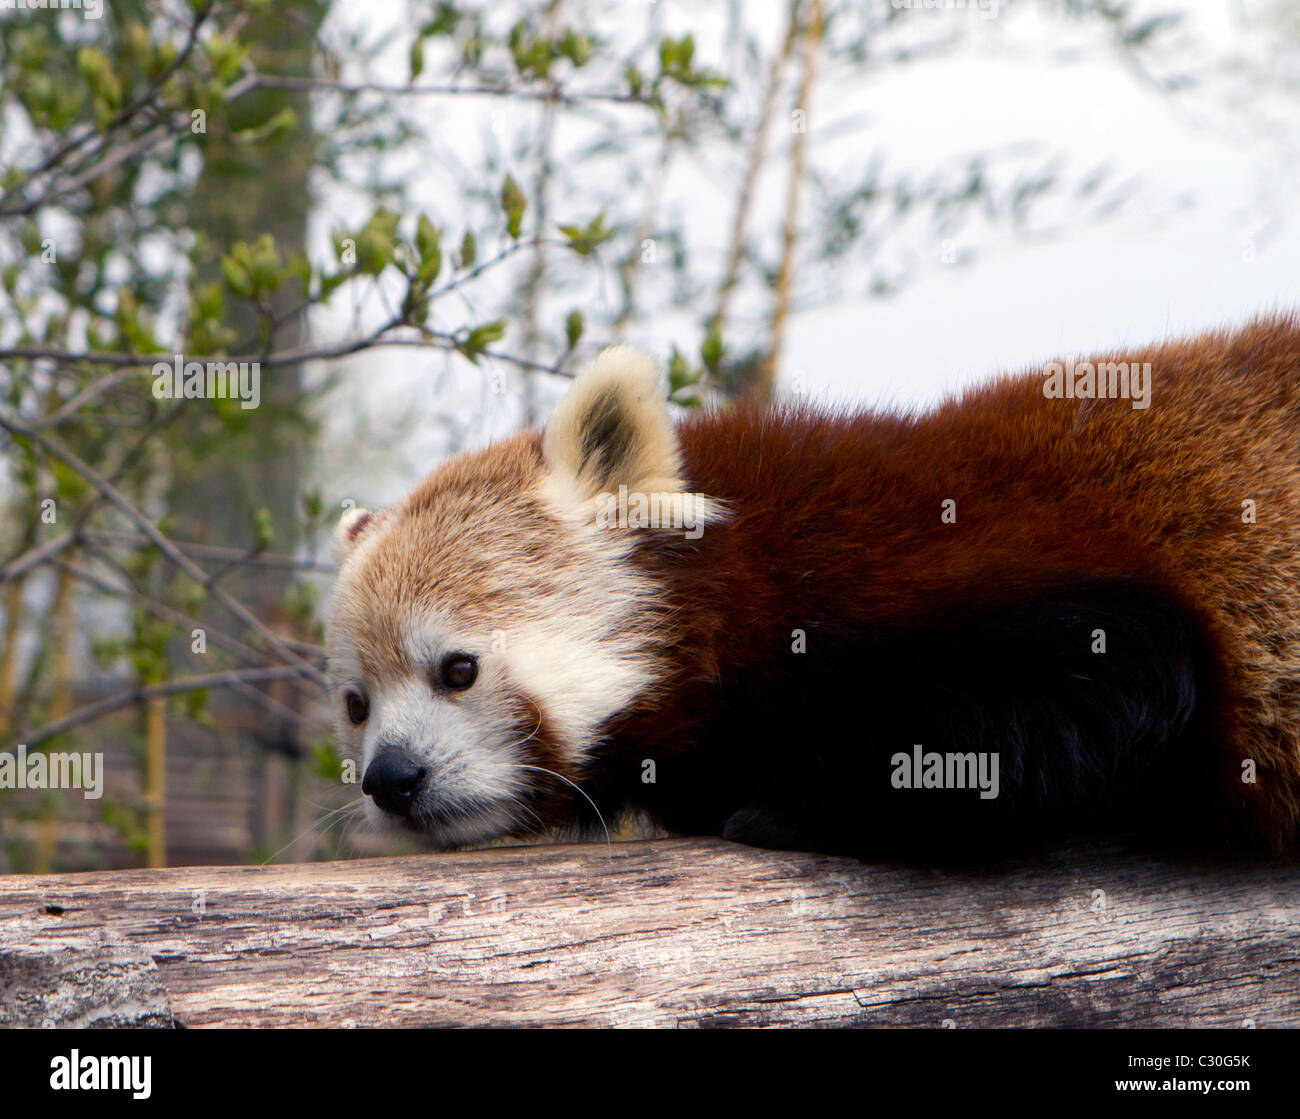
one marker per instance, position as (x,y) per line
(665,933)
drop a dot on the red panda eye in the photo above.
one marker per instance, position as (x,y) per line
(459,671)
(358,708)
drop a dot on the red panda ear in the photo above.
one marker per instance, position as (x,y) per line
(613,429)
(350,528)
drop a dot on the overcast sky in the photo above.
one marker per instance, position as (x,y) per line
(1211,235)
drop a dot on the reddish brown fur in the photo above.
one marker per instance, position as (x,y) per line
(837,529)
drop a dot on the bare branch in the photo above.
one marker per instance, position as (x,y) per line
(429,339)
(43,553)
(114,496)
(812,39)
(753,166)
(123,118)
(177,125)
(219,552)
(90,393)
(276,707)
(24,562)
(131,696)
(158,609)
(552,93)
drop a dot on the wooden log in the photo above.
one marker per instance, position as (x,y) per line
(663,933)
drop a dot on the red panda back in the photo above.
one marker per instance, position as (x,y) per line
(859,524)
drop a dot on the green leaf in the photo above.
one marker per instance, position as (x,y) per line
(428,244)
(468,250)
(513,203)
(236,277)
(585,240)
(444,21)
(575,46)
(573,326)
(478,339)
(225,55)
(667,53)
(209,301)
(275,128)
(194,598)
(679,374)
(328,764)
(98,72)
(299,267)
(711,349)
(129,320)
(195,703)
(263,528)
(675,63)
(376,242)
(31,236)
(266,265)
(139,45)
(253,270)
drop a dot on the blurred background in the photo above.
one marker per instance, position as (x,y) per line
(419,219)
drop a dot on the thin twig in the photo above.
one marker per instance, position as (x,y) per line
(176,125)
(131,696)
(550,93)
(114,496)
(812,38)
(753,167)
(90,393)
(183,621)
(429,339)
(178,618)
(243,556)
(42,553)
(124,117)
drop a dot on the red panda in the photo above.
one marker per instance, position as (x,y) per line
(1048,605)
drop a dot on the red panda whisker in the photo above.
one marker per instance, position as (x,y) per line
(526,739)
(533,825)
(321,824)
(559,776)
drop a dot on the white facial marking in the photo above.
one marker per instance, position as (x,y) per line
(501,555)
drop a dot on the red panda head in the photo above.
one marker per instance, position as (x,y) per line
(483,629)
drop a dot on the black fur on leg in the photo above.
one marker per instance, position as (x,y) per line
(1087,742)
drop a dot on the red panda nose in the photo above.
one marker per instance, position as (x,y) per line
(392,778)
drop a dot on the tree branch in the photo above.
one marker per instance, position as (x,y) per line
(121,119)
(130,696)
(114,496)
(551,94)
(243,556)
